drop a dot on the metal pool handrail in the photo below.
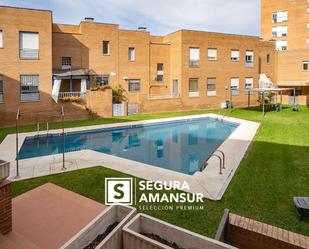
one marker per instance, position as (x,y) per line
(221,160)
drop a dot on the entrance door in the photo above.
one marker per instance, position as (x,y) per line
(175,88)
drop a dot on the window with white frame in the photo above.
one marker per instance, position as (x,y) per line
(281,45)
(307,40)
(1,38)
(212,54)
(249,58)
(66,63)
(234,55)
(29,45)
(101,80)
(194,57)
(280,16)
(280,31)
(211,87)
(307,25)
(305,65)
(160,72)
(193,87)
(1,89)
(308,10)
(134,85)
(235,86)
(29,88)
(249,84)
(105,47)
(131,54)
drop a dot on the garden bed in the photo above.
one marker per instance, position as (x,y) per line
(145,232)
(104,231)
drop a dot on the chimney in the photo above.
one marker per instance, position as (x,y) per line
(5,199)
(89,19)
(143,29)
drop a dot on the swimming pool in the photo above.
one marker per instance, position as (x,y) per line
(182,145)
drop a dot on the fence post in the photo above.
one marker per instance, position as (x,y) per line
(17,153)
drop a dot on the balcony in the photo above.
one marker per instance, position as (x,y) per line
(29,54)
(64,95)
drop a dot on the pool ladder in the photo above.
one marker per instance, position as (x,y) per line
(221,158)
(38,129)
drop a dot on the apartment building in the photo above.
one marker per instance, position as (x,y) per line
(287,23)
(42,63)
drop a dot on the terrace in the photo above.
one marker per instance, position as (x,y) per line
(261,189)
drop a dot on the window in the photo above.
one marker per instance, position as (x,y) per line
(249,84)
(305,65)
(308,41)
(211,87)
(29,45)
(268,58)
(131,54)
(29,88)
(280,31)
(307,25)
(160,72)
(102,80)
(234,86)
(105,47)
(249,58)
(193,88)
(280,16)
(1,39)
(194,54)
(281,45)
(212,54)
(66,63)
(1,89)
(235,55)
(307,10)
(134,85)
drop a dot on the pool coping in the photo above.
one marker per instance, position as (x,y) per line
(208,182)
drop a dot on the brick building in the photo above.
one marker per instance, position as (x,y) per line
(287,23)
(42,63)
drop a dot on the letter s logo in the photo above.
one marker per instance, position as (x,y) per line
(120,193)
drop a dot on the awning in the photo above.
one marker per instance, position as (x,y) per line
(74,73)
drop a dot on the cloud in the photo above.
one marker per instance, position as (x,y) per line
(160,16)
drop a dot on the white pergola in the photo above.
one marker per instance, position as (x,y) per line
(263,91)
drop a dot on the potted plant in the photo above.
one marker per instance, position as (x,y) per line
(118,101)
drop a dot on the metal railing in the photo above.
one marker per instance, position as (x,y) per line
(221,161)
(63,95)
(29,53)
(17,146)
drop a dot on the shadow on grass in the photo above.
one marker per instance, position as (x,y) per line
(262,189)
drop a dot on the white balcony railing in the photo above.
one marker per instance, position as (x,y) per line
(63,95)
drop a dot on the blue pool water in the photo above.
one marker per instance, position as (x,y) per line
(181,146)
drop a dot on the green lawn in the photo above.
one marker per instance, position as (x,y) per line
(275,170)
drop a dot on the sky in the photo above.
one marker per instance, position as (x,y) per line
(159,16)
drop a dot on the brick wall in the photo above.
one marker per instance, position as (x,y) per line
(5,207)
(246,233)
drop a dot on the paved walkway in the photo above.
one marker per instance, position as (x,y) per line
(47,217)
